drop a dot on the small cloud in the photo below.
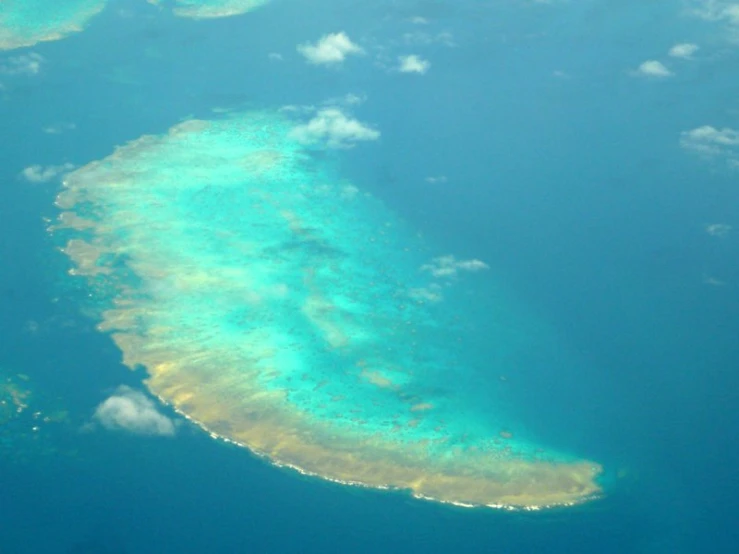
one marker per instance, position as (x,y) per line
(331,49)
(718,10)
(349,192)
(718,229)
(432,293)
(42,174)
(25,64)
(349,99)
(413,64)
(712,281)
(418,20)
(124,13)
(653,68)
(297,109)
(713,143)
(709,139)
(422,38)
(132,411)
(354,99)
(275,57)
(437,179)
(722,12)
(59,128)
(684,50)
(445,38)
(449,266)
(335,129)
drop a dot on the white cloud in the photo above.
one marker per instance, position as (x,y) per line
(333,128)
(653,68)
(275,57)
(432,293)
(436,179)
(711,139)
(725,12)
(348,99)
(683,50)
(331,49)
(349,192)
(25,64)
(713,143)
(418,20)
(413,64)
(708,280)
(718,229)
(717,10)
(449,266)
(42,174)
(354,99)
(297,109)
(59,128)
(424,39)
(132,411)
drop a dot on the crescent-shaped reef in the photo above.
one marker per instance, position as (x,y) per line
(284,309)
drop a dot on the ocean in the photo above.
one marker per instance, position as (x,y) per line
(535,142)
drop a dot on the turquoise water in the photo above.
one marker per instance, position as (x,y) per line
(573,188)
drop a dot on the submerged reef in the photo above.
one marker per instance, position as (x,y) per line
(283,309)
(25,421)
(27,22)
(13,397)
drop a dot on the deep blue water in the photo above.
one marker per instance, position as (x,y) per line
(574,190)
